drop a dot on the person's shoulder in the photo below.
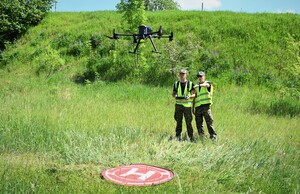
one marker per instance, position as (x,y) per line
(191,85)
(209,82)
(175,85)
(190,82)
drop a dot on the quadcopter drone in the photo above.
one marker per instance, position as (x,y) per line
(144,33)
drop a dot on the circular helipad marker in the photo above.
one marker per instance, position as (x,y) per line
(138,175)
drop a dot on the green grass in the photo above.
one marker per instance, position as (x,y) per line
(57,137)
(227,45)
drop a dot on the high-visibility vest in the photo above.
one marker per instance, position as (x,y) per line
(203,95)
(186,92)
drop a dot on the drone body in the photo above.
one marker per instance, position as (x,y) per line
(145,32)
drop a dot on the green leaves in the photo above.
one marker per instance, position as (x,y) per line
(154,5)
(48,61)
(292,69)
(133,12)
(16,16)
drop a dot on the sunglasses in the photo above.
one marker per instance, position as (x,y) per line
(200,76)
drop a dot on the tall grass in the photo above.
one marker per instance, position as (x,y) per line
(57,137)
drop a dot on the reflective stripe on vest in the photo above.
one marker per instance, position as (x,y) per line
(184,102)
(203,97)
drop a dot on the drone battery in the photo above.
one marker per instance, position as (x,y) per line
(145,30)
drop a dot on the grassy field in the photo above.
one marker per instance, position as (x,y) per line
(58,134)
(57,137)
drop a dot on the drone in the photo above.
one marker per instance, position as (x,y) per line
(145,32)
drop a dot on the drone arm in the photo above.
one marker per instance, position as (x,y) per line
(126,34)
(165,36)
(116,36)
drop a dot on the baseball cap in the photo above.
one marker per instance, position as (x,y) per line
(200,74)
(183,71)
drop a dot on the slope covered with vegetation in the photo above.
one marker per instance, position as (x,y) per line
(240,48)
(69,109)
(219,42)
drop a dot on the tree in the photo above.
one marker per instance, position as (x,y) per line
(133,12)
(153,5)
(16,16)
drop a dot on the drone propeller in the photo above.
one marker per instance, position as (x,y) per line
(171,36)
(167,36)
(159,33)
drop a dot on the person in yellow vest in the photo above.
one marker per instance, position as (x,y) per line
(183,92)
(202,105)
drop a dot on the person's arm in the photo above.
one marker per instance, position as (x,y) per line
(193,105)
(205,84)
(193,93)
(174,94)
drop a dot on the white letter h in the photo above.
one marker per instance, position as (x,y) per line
(142,177)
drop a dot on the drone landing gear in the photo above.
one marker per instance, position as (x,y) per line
(136,47)
(155,49)
(138,43)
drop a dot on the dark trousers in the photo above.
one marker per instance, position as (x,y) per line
(201,112)
(181,111)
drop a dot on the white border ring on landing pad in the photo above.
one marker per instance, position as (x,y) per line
(138,175)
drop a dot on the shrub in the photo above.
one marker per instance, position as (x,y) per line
(48,61)
(72,44)
(277,106)
(291,79)
(79,47)
(18,15)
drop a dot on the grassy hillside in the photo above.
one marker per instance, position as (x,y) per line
(243,48)
(232,48)
(57,136)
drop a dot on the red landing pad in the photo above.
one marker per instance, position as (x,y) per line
(138,175)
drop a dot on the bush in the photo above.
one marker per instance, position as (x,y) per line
(276,107)
(158,75)
(284,107)
(72,44)
(16,16)
(291,79)
(79,47)
(48,61)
